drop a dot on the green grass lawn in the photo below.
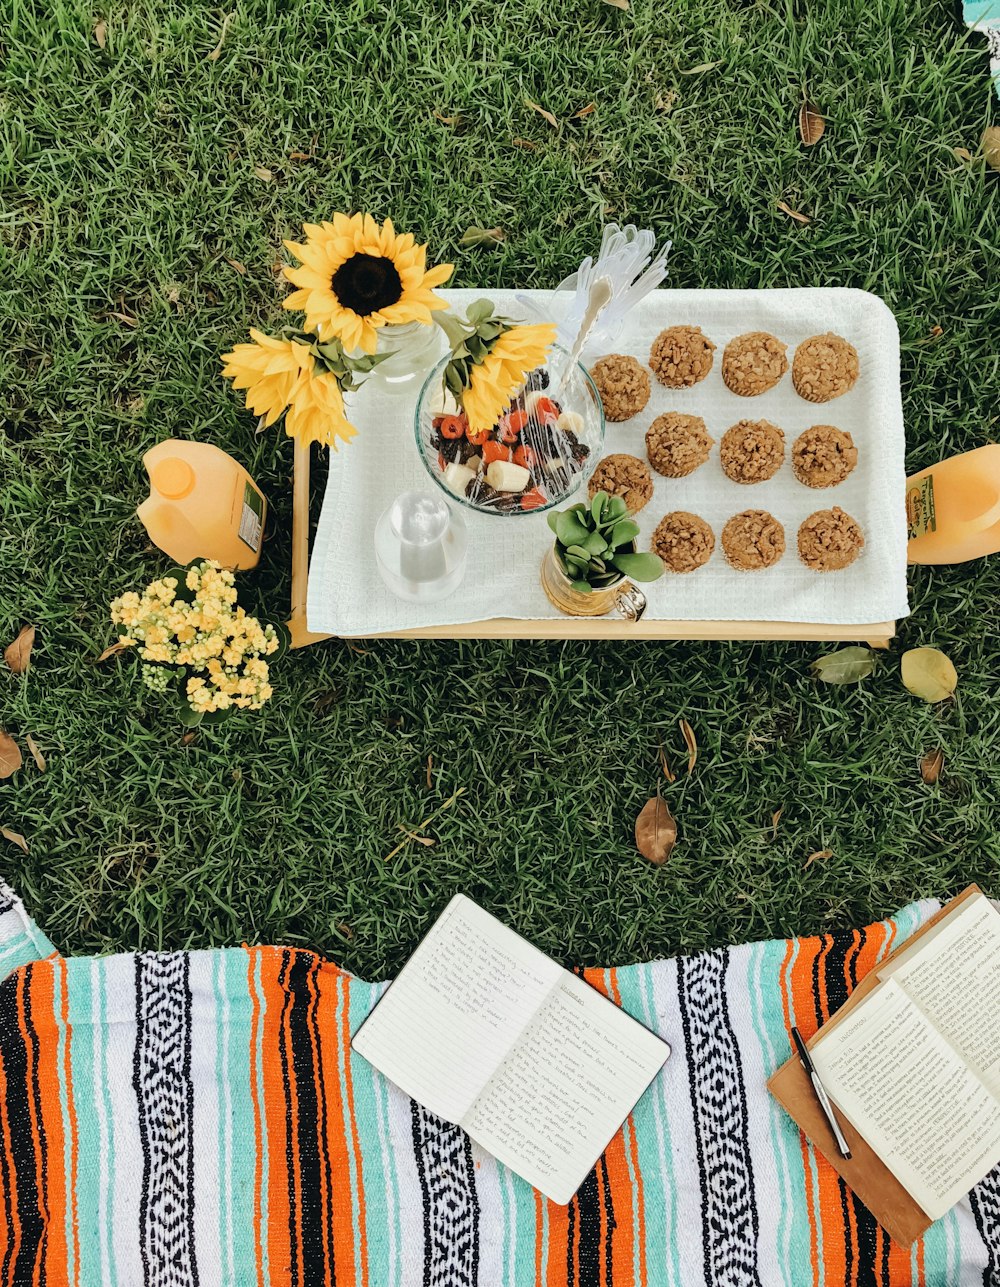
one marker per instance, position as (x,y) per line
(131,174)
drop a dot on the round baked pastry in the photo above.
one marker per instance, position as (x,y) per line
(830,540)
(624,476)
(683,541)
(823,456)
(752,451)
(753,363)
(824,367)
(681,356)
(623,385)
(753,540)
(677,444)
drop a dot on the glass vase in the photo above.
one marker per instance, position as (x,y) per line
(412,348)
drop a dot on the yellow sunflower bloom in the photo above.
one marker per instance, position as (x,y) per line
(316,413)
(269,370)
(355,276)
(495,380)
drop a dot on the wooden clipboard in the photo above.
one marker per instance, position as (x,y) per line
(872,1181)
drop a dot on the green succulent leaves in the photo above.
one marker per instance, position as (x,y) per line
(595,544)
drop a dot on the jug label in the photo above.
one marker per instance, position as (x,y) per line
(920,515)
(252,518)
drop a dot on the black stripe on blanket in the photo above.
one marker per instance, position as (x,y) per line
(719,1108)
(161,1077)
(450,1203)
(310,1198)
(985,1202)
(20,1255)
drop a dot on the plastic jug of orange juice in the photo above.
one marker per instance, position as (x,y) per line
(202,504)
(953,509)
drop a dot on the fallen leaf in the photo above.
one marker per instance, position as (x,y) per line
(474,236)
(189,737)
(527,144)
(300,156)
(15,838)
(536,107)
(124,318)
(935,331)
(421,840)
(962,153)
(10,755)
(111,651)
(818,856)
(664,765)
(846,666)
(700,68)
(430,772)
(100,32)
(448,120)
(655,831)
(928,673)
(416,834)
(775,819)
(36,754)
(931,766)
(667,101)
(584,111)
(213,57)
(692,744)
(345,929)
(262,172)
(17,655)
(618,4)
(797,215)
(811,124)
(990,144)
(235,263)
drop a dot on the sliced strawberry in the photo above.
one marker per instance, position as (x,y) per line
(533,499)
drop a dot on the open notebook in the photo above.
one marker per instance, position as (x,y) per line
(487,1032)
(915,1065)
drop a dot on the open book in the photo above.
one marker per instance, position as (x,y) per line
(487,1032)
(915,1065)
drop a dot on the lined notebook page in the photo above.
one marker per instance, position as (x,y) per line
(565,1088)
(456,1009)
(953,975)
(905,1089)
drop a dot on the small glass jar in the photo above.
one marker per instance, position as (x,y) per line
(412,348)
(622,596)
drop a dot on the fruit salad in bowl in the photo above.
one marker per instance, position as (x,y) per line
(544,444)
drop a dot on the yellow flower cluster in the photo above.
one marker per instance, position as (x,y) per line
(495,380)
(209,634)
(282,373)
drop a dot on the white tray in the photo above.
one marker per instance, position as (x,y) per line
(347,597)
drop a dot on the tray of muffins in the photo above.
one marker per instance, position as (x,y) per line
(756,436)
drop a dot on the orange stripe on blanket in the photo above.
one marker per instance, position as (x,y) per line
(52,1262)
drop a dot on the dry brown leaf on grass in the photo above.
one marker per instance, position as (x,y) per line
(112,650)
(10,755)
(665,765)
(618,4)
(928,673)
(818,856)
(931,766)
(100,32)
(213,57)
(655,831)
(17,655)
(990,144)
(447,120)
(235,263)
(584,111)
(691,742)
(476,236)
(40,761)
(537,107)
(345,929)
(962,153)
(527,144)
(430,772)
(263,173)
(775,819)
(14,837)
(811,124)
(797,215)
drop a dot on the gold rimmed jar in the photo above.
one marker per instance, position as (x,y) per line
(622,596)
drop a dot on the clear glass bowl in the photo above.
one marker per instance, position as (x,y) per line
(559,462)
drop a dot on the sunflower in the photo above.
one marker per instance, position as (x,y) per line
(495,380)
(316,413)
(269,370)
(355,277)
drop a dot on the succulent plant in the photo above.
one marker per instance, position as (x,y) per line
(595,544)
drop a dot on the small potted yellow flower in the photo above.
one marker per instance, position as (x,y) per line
(198,645)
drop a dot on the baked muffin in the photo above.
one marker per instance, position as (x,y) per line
(830,540)
(623,385)
(681,356)
(624,476)
(677,444)
(753,540)
(752,451)
(753,363)
(823,456)
(683,541)
(824,367)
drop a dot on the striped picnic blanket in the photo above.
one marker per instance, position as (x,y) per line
(191,1119)
(984,16)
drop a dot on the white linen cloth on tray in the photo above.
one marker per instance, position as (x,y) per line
(348,597)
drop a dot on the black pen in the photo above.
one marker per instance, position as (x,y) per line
(821,1095)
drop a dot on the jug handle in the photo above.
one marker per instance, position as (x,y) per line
(984,521)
